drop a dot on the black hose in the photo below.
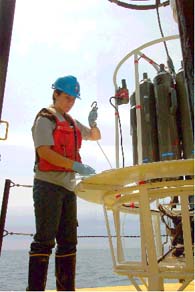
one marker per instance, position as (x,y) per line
(138,7)
(121,136)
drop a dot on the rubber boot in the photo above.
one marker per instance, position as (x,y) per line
(65,272)
(37,275)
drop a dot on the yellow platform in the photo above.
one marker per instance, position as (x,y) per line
(168,287)
(160,181)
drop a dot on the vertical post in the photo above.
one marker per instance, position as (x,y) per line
(4,209)
(116,136)
(116,124)
(7,8)
(138,111)
(155,282)
(185,15)
(186,227)
(109,236)
(156,220)
(119,249)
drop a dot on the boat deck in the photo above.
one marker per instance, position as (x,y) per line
(168,287)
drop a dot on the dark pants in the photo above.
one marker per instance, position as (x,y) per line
(56,219)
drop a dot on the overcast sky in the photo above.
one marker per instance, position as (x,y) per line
(87,39)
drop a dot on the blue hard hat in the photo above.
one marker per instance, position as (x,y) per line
(68,84)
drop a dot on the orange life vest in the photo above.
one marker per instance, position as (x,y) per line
(67,142)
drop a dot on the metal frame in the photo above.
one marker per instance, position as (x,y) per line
(6,129)
(135,53)
(155,272)
(4,206)
(7,10)
(161,181)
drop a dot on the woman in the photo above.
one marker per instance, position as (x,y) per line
(57,140)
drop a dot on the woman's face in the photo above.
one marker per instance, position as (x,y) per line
(63,102)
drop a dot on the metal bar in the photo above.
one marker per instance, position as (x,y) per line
(185,284)
(120,254)
(116,136)
(6,129)
(157,231)
(7,8)
(4,209)
(138,111)
(143,248)
(137,287)
(186,227)
(109,236)
(150,61)
(149,44)
(155,282)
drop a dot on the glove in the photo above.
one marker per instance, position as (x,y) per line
(83,169)
(93,117)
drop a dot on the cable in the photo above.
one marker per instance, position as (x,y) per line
(160,27)
(138,7)
(6,233)
(169,60)
(121,136)
(95,108)
(104,154)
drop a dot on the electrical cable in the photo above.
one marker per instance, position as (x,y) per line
(169,60)
(160,26)
(120,128)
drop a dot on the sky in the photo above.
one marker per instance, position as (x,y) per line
(86,39)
